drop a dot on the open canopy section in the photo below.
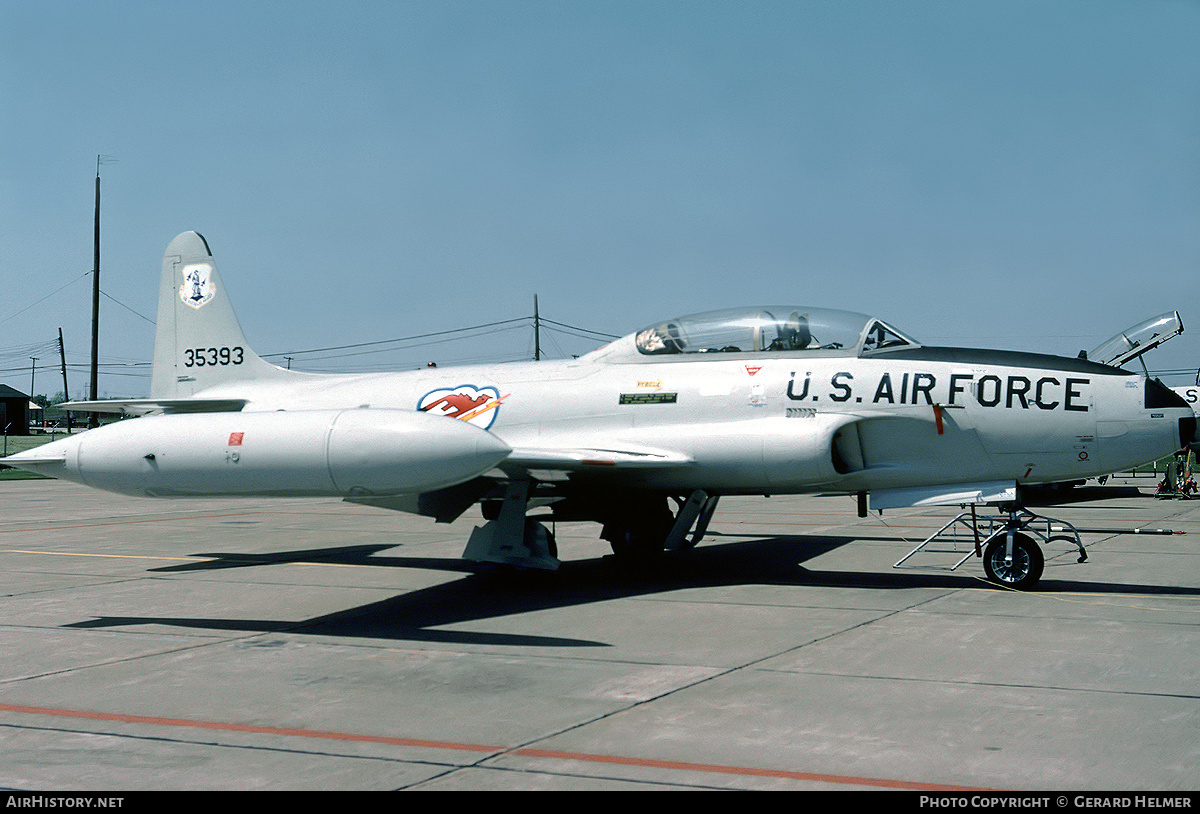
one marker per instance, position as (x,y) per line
(775,329)
(1132,343)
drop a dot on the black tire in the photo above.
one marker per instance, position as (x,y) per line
(637,545)
(638,534)
(1025,569)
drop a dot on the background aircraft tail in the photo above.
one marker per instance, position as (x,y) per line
(198,342)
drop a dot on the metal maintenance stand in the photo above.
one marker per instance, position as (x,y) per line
(1005,540)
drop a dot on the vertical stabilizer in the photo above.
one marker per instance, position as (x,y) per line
(198,342)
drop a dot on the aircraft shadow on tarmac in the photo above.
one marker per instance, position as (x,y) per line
(1050,496)
(495,593)
(346,555)
(491,592)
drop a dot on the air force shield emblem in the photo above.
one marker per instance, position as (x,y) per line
(197,288)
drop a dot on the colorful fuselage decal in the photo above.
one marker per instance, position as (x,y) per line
(466,402)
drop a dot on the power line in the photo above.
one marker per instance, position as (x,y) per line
(43,299)
(459,335)
(401,339)
(470,332)
(583,330)
(127,308)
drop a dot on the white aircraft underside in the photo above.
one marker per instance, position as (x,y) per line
(764,400)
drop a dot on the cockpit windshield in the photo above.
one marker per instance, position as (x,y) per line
(771,329)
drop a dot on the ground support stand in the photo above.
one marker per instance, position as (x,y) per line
(1005,540)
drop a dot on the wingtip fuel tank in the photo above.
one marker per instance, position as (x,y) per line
(342,453)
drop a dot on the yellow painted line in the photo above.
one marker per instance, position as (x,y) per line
(1088,599)
(131,522)
(110,556)
(247,560)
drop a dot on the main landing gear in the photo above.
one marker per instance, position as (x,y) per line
(644,526)
(1007,541)
(511,538)
(638,527)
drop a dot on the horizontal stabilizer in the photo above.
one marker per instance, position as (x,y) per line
(24,459)
(146,406)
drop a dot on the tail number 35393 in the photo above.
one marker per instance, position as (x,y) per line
(201,357)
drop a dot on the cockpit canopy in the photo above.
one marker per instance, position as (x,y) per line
(772,329)
(1133,342)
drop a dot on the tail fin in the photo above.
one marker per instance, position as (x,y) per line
(198,343)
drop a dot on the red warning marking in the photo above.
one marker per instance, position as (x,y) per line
(262,730)
(235,439)
(553,754)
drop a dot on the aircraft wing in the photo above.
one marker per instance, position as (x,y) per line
(945,495)
(137,407)
(547,464)
(568,460)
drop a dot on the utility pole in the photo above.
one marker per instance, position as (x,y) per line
(94,418)
(32,373)
(62,357)
(537,332)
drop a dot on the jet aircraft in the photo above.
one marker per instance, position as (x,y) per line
(642,436)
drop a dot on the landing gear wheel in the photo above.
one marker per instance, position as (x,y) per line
(638,535)
(1025,568)
(637,544)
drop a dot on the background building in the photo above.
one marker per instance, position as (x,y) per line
(14,411)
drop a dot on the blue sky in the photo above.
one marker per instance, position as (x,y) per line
(1008,174)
